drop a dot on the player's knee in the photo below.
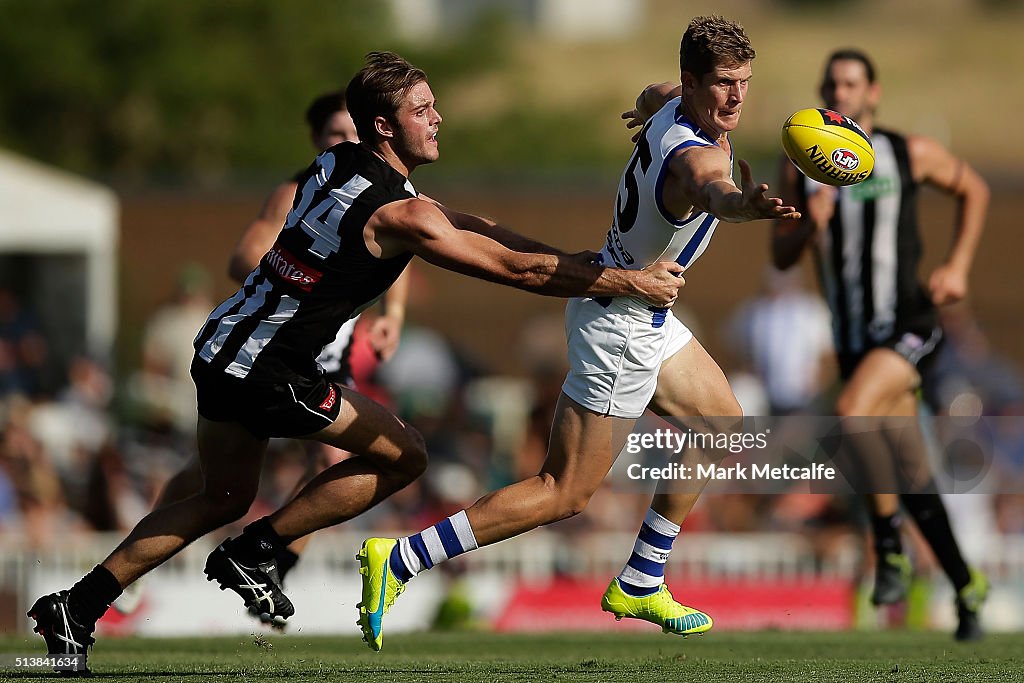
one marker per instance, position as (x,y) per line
(850,405)
(573,504)
(228,505)
(562,500)
(414,457)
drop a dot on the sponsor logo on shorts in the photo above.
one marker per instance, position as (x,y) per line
(912,341)
(845,159)
(291,269)
(332,396)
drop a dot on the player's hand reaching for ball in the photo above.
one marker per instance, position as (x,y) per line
(659,283)
(756,204)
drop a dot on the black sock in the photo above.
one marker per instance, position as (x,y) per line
(258,543)
(887,534)
(929,513)
(286,560)
(89,599)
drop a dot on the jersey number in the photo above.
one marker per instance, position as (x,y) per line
(626,212)
(321,221)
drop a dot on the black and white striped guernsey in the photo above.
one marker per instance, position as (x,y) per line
(868,259)
(317,275)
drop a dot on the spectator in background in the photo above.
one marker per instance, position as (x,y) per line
(163,388)
(23,350)
(32,475)
(784,337)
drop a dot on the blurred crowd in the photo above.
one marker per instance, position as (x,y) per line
(89,452)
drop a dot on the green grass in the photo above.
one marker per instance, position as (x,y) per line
(893,657)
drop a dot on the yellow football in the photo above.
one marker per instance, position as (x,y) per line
(828,147)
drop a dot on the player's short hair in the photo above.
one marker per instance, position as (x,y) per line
(378,89)
(855,55)
(713,41)
(323,108)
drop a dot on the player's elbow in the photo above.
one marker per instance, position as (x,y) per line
(782,259)
(979,190)
(236,268)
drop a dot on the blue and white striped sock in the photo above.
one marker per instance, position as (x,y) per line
(645,571)
(443,541)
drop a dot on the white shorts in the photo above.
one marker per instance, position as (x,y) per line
(616,352)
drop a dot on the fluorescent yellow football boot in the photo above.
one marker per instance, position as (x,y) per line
(380,588)
(893,573)
(659,608)
(968,603)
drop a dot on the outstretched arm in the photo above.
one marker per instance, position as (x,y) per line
(789,237)
(650,100)
(422,228)
(933,164)
(700,177)
(259,237)
(489,228)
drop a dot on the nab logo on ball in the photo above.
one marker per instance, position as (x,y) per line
(844,158)
(828,147)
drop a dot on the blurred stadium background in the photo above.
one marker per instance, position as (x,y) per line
(140,138)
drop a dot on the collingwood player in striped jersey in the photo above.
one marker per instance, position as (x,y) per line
(355,224)
(329,124)
(885,324)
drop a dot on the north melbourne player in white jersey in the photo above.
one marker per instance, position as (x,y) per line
(625,355)
(614,371)
(644,231)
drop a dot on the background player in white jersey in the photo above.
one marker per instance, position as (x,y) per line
(624,355)
(885,322)
(353,228)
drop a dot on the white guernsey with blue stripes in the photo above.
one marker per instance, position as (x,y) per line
(643,231)
(618,345)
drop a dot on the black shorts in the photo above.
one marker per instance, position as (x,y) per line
(266,410)
(919,346)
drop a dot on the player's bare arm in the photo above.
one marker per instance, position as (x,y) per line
(489,228)
(699,178)
(933,164)
(386,329)
(259,237)
(650,100)
(789,237)
(422,228)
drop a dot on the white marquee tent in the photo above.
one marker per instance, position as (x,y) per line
(63,231)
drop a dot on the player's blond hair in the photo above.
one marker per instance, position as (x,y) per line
(713,41)
(378,88)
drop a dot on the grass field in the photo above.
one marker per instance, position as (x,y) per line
(893,657)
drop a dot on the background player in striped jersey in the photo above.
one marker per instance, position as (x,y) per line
(624,355)
(355,225)
(885,321)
